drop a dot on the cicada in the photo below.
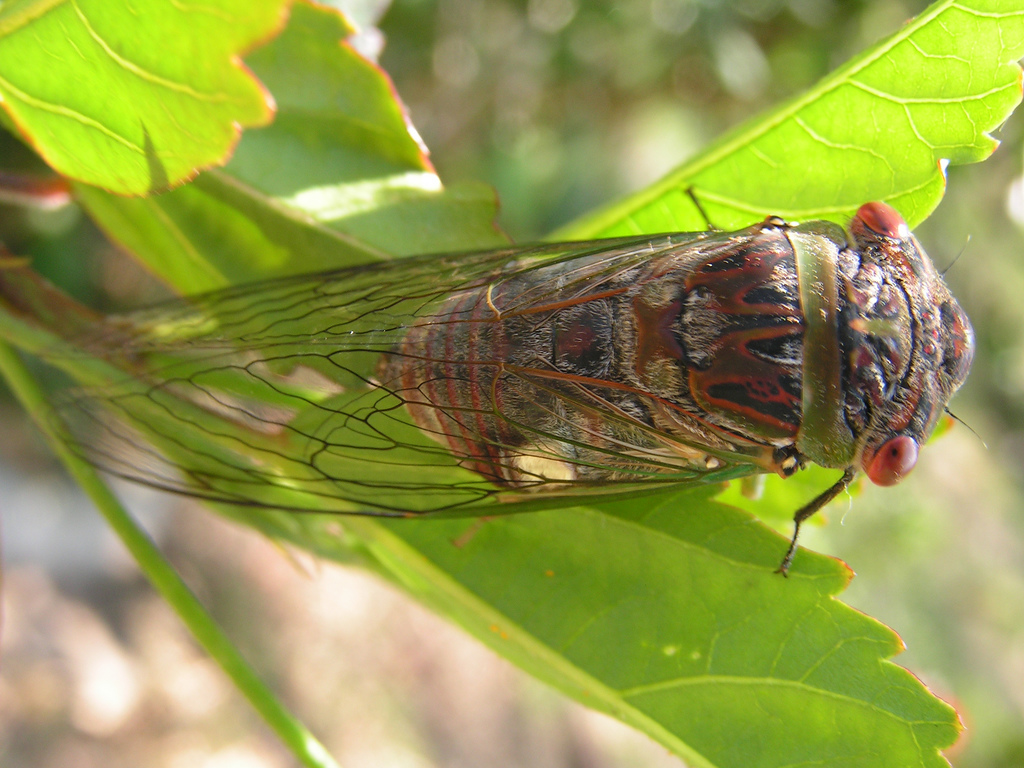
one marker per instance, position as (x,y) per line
(495,381)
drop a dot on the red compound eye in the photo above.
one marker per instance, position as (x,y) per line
(893,461)
(883,220)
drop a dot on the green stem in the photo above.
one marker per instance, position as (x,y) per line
(163,577)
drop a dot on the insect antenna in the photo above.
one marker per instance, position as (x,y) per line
(943,274)
(971,429)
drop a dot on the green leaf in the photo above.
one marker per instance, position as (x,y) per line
(881,127)
(343,151)
(132,99)
(216,231)
(338,179)
(669,616)
(667,613)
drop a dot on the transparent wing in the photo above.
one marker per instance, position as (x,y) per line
(272,394)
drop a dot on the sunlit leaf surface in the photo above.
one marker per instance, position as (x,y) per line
(133,98)
(881,127)
(667,612)
(339,178)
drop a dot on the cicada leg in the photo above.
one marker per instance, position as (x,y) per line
(691,192)
(807,510)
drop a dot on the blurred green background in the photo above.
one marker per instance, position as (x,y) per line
(562,106)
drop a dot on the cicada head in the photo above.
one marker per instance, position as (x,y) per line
(908,344)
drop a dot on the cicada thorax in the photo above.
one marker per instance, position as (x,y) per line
(742,329)
(680,357)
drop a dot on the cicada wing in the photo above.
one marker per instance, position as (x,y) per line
(267,394)
(628,435)
(352,452)
(275,394)
(346,309)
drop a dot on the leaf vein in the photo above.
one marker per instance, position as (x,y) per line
(151,77)
(71,114)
